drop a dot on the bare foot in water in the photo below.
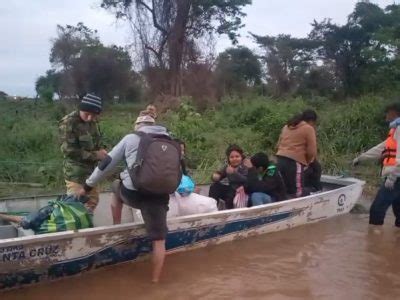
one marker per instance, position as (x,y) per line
(374,229)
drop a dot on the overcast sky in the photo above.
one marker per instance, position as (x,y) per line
(27,27)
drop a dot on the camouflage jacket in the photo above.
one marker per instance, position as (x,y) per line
(79,141)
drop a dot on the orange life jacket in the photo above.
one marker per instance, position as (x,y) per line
(389,153)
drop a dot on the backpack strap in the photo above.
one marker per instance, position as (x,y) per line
(139,133)
(152,135)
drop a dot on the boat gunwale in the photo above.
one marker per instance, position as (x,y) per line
(325,178)
(183,219)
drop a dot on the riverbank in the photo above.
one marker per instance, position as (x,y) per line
(29,148)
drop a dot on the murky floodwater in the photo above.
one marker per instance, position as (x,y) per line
(335,259)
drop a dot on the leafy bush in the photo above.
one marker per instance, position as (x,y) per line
(29,146)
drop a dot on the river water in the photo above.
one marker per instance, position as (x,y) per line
(340,258)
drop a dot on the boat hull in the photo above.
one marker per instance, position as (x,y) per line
(32,259)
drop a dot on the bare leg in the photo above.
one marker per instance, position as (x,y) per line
(116,208)
(11,218)
(158,259)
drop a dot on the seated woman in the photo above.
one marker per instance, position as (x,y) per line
(297,148)
(185,201)
(236,174)
(264,182)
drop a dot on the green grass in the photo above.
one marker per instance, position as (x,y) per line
(29,147)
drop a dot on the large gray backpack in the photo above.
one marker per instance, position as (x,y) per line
(157,169)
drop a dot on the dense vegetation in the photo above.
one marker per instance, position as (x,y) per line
(241,95)
(29,148)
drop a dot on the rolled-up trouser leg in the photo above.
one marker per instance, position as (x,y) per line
(396,211)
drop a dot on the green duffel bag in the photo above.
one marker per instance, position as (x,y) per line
(66,216)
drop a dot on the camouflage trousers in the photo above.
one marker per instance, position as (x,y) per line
(73,188)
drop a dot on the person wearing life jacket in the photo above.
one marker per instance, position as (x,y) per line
(388,152)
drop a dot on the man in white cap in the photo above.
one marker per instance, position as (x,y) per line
(153,207)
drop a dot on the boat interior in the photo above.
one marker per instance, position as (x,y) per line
(101,217)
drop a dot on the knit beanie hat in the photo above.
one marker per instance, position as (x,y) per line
(91,103)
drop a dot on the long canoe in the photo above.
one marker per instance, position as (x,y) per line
(26,258)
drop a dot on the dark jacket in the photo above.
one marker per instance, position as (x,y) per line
(236,179)
(270,183)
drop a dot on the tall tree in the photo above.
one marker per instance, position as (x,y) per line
(69,43)
(287,60)
(106,71)
(81,64)
(165,27)
(48,85)
(236,69)
(350,46)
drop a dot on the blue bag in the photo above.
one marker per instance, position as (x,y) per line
(186,186)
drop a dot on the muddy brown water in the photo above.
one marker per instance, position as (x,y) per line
(340,258)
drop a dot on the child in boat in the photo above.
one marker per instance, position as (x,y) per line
(236,174)
(186,201)
(264,182)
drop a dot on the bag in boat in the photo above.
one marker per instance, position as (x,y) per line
(241,198)
(65,213)
(157,169)
(190,205)
(186,187)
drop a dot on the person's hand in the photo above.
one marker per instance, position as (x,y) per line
(216,177)
(355,162)
(390,182)
(230,170)
(101,154)
(247,163)
(240,189)
(81,192)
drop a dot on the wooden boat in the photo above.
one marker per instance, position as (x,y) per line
(26,258)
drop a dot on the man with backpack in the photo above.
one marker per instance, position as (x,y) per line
(152,172)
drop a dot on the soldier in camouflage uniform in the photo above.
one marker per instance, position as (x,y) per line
(80,137)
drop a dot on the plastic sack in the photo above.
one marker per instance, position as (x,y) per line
(65,213)
(241,198)
(66,216)
(186,187)
(190,205)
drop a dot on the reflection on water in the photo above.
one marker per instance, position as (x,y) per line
(340,258)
